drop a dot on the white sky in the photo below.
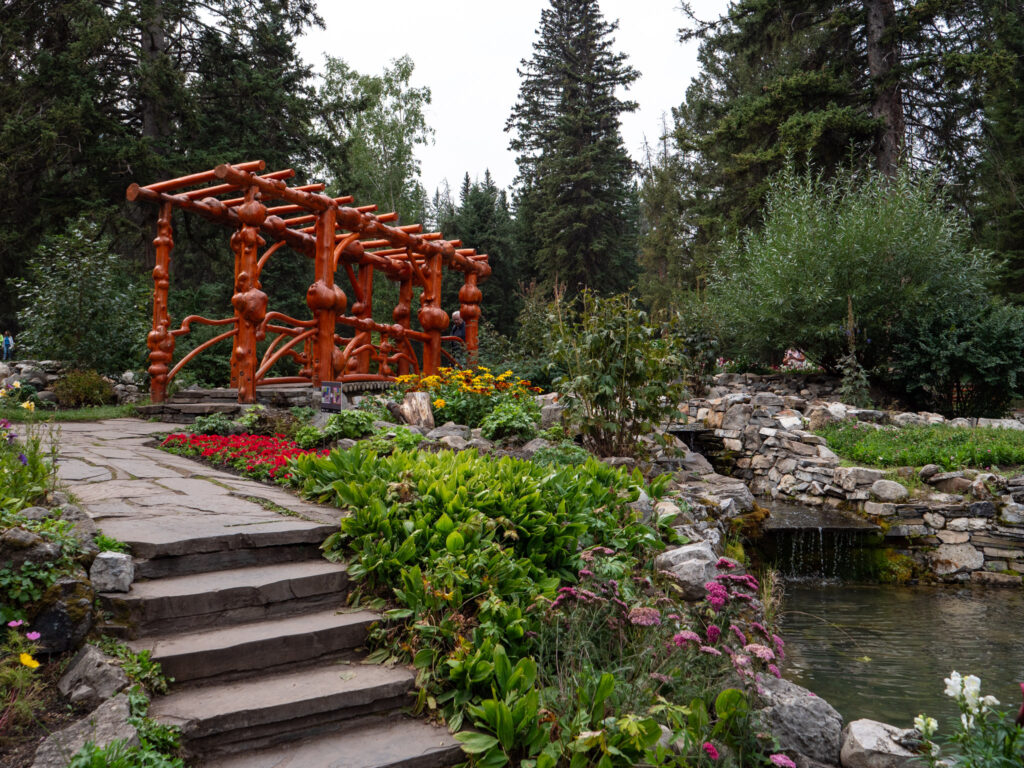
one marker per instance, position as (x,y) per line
(467,52)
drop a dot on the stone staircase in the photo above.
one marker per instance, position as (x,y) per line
(250,625)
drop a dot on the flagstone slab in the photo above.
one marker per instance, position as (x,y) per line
(76,470)
(143,467)
(115,489)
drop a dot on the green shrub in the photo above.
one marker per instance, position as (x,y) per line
(563,453)
(139,667)
(79,388)
(512,418)
(962,359)
(624,374)
(214,424)
(891,248)
(27,466)
(949,447)
(107,544)
(81,269)
(403,439)
(352,424)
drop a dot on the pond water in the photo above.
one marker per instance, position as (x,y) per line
(881,652)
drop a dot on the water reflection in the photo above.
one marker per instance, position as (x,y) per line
(881,652)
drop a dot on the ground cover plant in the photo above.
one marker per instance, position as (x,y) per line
(524,596)
(503,405)
(950,447)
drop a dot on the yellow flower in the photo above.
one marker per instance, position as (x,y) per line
(28,405)
(16,385)
(439,403)
(28,661)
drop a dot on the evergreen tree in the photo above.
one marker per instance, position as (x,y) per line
(576,206)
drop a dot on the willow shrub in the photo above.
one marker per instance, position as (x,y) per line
(889,246)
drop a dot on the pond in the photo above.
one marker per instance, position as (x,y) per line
(881,652)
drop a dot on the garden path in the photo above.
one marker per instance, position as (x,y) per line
(232,597)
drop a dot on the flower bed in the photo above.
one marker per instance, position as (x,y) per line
(255,456)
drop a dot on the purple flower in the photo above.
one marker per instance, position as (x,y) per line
(760,628)
(708,747)
(713,633)
(739,634)
(778,647)
(724,564)
(710,651)
(774,670)
(585,572)
(23,459)
(684,637)
(644,616)
(782,761)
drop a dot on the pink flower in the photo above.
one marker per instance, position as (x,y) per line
(684,637)
(774,670)
(15,623)
(586,572)
(708,747)
(739,634)
(32,636)
(782,761)
(778,647)
(714,633)
(710,651)
(724,564)
(763,652)
(644,616)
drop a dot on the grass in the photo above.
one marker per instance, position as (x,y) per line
(92,413)
(951,448)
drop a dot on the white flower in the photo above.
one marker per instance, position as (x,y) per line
(968,721)
(926,725)
(987,702)
(954,684)
(972,692)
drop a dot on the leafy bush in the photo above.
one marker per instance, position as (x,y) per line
(915,446)
(139,667)
(962,359)
(79,388)
(352,424)
(891,248)
(108,544)
(81,269)
(214,424)
(387,441)
(16,395)
(624,375)
(562,453)
(512,418)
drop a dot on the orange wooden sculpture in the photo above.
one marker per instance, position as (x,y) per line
(333,235)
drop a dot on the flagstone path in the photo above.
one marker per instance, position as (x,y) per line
(232,597)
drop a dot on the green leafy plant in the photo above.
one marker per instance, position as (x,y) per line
(21,691)
(139,667)
(79,388)
(252,416)
(27,463)
(563,453)
(516,418)
(214,424)
(376,406)
(352,424)
(386,441)
(108,544)
(624,374)
(159,745)
(470,396)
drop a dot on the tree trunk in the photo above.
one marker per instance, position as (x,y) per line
(883,55)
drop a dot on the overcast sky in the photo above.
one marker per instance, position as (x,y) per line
(467,52)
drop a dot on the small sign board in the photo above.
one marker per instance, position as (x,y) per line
(332,398)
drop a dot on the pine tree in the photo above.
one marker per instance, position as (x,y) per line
(576,206)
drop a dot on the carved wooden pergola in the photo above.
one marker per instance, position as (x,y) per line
(334,236)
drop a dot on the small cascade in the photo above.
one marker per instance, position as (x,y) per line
(810,543)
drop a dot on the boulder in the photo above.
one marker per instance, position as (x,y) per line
(692,566)
(482,445)
(848,478)
(19,546)
(67,614)
(889,490)
(800,721)
(908,419)
(417,409)
(107,723)
(870,744)
(84,528)
(112,572)
(695,462)
(92,677)
(928,471)
(551,415)
(993,579)
(38,513)
(948,559)
(950,482)
(736,417)
(448,429)
(819,418)
(455,442)
(534,445)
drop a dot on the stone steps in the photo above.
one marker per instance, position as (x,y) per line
(219,598)
(384,743)
(262,711)
(258,645)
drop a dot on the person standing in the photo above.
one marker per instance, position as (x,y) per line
(8,344)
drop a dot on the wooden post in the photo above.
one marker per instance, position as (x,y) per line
(470,297)
(160,341)
(324,298)
(249,301)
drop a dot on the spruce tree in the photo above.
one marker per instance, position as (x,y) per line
(576,204)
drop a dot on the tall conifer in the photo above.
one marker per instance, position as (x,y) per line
(576,203)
